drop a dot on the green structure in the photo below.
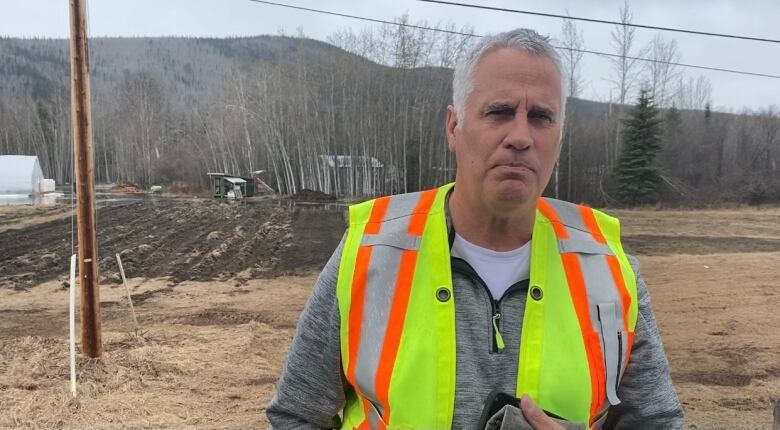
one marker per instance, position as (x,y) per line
(230,186)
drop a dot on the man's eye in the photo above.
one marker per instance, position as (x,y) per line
(543,116)
(501,112)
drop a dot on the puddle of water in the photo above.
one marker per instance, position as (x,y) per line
(21,199)
(301,205)
(110,199)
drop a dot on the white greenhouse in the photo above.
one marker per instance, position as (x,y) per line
(21,175)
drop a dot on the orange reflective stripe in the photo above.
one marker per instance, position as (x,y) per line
(358,295)
(358,298)
(589,219)
(579,296)
(377,215)
(547,210)
(365,425)
(395,326)
(399,306)
(625,297)
(420,214)
(356,319)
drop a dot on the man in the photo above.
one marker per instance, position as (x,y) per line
(434,300)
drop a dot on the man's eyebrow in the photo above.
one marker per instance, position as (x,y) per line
(498,105)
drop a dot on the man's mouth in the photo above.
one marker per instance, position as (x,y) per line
(514,167)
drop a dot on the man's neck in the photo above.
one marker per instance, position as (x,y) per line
(503,231)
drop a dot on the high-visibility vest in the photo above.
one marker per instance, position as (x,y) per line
(397,313)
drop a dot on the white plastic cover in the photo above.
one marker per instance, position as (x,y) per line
(19,174)
(235,180)
(46,185)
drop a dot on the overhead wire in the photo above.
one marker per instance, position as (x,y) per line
(605,21)
(460,33)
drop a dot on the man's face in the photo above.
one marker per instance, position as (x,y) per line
(507,145)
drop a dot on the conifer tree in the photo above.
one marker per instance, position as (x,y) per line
(638,178)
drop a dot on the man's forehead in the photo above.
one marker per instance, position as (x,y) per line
(516,75)
(494,94)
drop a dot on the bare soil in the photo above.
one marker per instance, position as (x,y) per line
(198,239)
(218,288)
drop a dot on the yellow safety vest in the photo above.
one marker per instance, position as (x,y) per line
(398,316)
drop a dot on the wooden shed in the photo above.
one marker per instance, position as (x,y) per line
(222,184)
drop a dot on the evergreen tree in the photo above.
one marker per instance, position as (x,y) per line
(637,173)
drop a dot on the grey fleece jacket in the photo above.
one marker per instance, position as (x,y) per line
(310,392)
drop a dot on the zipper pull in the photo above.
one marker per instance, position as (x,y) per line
(499,338)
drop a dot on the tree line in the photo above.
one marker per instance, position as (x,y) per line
(368,119)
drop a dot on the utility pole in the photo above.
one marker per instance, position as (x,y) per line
(81,115)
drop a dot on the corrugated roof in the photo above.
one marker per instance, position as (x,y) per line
(235,180)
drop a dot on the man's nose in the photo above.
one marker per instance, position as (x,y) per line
(519,135)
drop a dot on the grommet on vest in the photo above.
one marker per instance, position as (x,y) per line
(536,293)
(443,294)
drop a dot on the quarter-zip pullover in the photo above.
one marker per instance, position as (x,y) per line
(311,390)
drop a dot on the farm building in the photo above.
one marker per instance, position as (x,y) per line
(22,175)
(224,186)
(351,174)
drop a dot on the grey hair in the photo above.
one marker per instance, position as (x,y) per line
(521,39)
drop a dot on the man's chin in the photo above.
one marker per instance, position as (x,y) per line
(513,192)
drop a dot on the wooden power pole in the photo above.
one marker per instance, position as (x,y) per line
(81,114)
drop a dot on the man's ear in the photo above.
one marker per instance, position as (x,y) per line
(449,127)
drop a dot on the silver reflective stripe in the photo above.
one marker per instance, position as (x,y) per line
(399,240)
(380,289)
(387,247)
(599,284)
(579,235)
(569,214)
(374,416)
(401,206)
(612,356)
(584,246)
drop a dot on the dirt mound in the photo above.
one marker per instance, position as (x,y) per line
(306,195)
(123,186)
(181,240)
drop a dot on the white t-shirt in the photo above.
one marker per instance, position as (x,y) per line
(499,269)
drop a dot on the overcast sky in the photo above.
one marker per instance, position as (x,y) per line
(218,18)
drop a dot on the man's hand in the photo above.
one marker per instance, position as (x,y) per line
(536,417)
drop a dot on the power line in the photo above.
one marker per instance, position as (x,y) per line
(380,21)
(604,21)
(585,51)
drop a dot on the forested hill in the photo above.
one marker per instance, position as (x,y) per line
(191,69)
(168,110)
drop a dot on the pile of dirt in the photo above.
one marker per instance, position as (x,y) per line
(307,195)
(124,186)
(181,240)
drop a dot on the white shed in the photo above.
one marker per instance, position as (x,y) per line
(20,174)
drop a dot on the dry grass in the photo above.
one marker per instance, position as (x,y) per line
(746,222)
(208,357)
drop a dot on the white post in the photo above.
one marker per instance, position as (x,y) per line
(73,324)
(127,289)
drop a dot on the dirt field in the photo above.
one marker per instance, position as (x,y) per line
(218,288)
